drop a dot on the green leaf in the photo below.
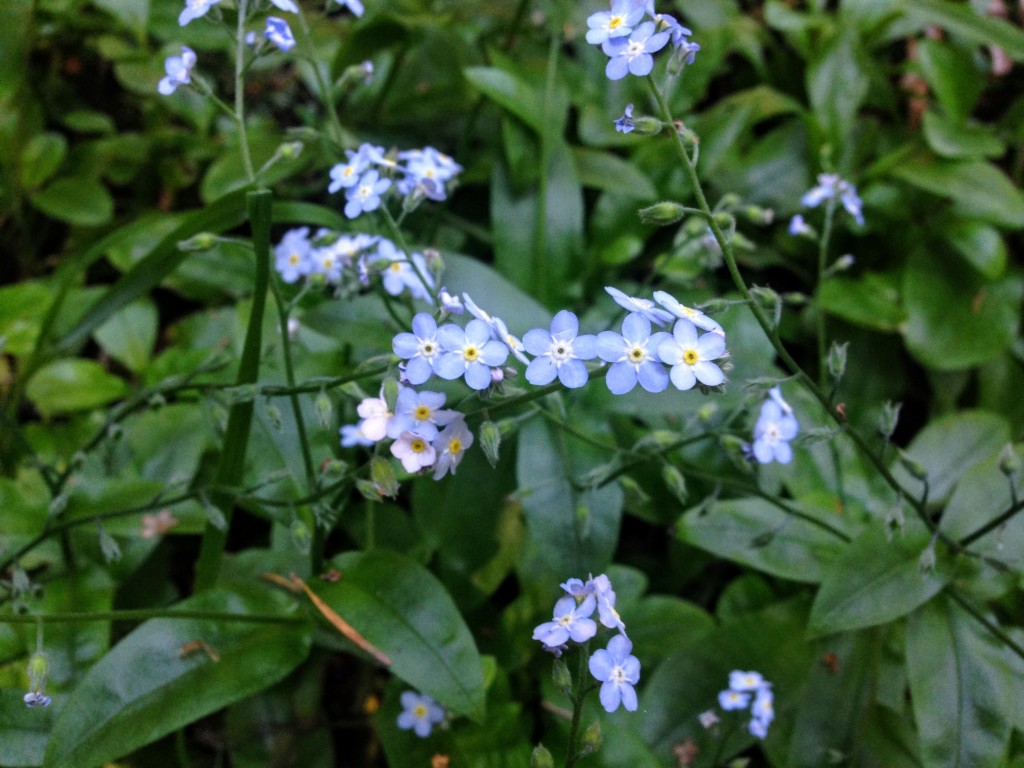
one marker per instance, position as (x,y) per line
(952,75)
(837,84)
(762,536)
(80,201)
(25,730)
(871,301)
(979,189)
(89,121)
(610,173)
(41,158)
(132,13)
(958,688)
(951,445)
(567,534)
(66,386)
(981,245)
(982,494)
(146,687)
(875,581)
(130,334)
(22,307)
(509,92)
(955,318)
(962,20)
(952,138)
(401,608)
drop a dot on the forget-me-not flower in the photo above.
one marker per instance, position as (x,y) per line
(449,303)
(499,331)
(365,195)
(353,5)
(419,412)
(402,273)
(695,316)
(292,254)
(414,451)
(194,9)
(469,353)
(632,55)
(750,688)
(691,356)
(625,124)
(179,71)
(352,435)
(288,6)
(421,348)
(560,352)
(279,33)
(345,175)
(634,356)
(571,621)
(730,700)
(602,588)
(643,307)
(830,186)
(618,22)
(798,226)
(375,415)
(420,713)
(618,671)
(775,427)
(450,445)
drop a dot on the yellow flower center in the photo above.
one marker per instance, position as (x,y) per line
(396,266)
(419,712)
(328,262)
(690,357)
(418,446)
(455,446)
(615,22)
(422,413)
(294,258)
(471,353)
(636,354)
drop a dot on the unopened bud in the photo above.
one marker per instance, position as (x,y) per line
(656,441)
(926,562)
(837,359)
(490,441)
(214,516)
(635,496)
(591,739)
(368,490)
(302,537)
(663,213)
(274,417)
(647,126)
(1009,460)
(203,241)
(383,477)
(675,481)
(109,547)
(324,409)
(37,668)
(333,468)
(389,391)
(583,518)
(758,215)
(290,150)
(541,758)
(561,675)
(765,295)
(914,467)
(889,418)
(58,505)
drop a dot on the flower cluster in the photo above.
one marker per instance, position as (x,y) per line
(614,666)
(419,173)
(631,31)
(179,71)
(339,259)
(775,427)
(830,187)
(420,713)
(749,689)
(638,355)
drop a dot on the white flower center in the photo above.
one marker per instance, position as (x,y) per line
(636,354)
(427,348)
(560,351)
(618,675)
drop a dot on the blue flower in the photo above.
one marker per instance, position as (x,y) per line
(279,33)
(326,261)
(618,22)
(353,5)
(450,304)
(602,588)
(730,700)
(402,273)
(194,9)
(450,445)
(571,621)
(690,356)
(365,195)
(420,713)
(428,170)
(559,353)
(345,175)
(577,588)
(634,355)
(499,331)
(633,55)
(625,123)
(292,256)
(179,71)
(797,226)
(684,312)
(421,348)
(470,353)
(775,427)
(352,435)
(617,671)
(288,6)
(831,186)
(36,699)
(419,412)
(643,307)
(745,681)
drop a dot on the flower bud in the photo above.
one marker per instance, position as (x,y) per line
(302,537)
(203,241)
(37,668)
(663,213)
(561,675)
(591,741)
(926,562)
(290,150)
(541,758)
(758,215)
(383,477)
(323,407)
(490,441)
(889,419)
(647,126)
(635,495)
(837,359)
(675,481)
(214,516)
(389,391)
(1009,460)
(58,505)
(914,467)
(368,490)
(109,547)
(274,417)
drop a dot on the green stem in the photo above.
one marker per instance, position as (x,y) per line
(243,134)
(396,233)
(542,284)
(770,332)
(990,626)
(326,93)
(823,244)
(990,526)
(579,695)
(236,438)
